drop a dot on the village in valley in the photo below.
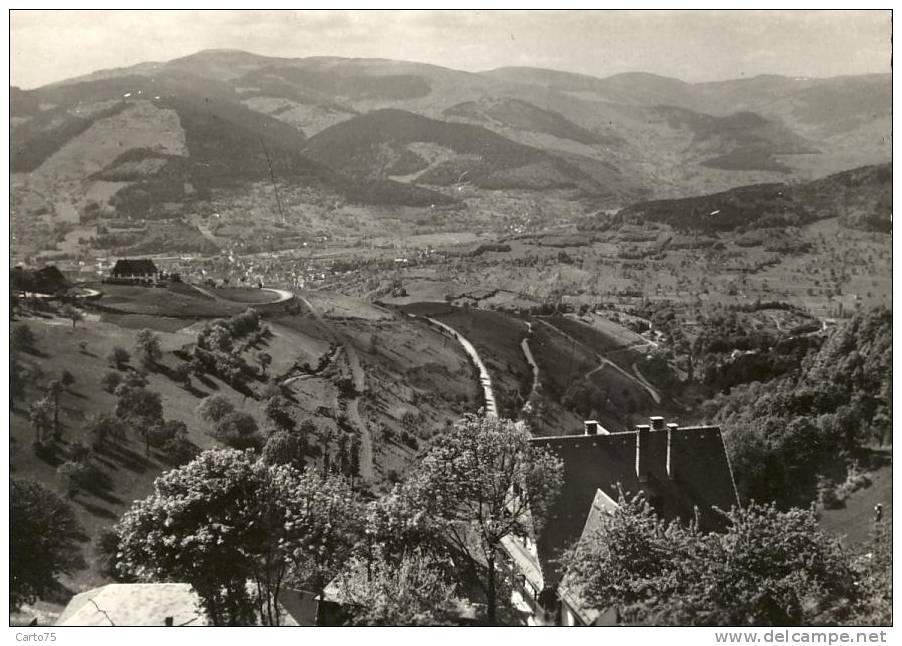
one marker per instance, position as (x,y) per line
(314,341)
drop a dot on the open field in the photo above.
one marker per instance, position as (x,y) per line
(414,382)
(126,473)
(855,519)
(496,337)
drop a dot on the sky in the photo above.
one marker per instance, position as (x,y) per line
(49,46)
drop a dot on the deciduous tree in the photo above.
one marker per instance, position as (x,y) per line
(767,568)
(42,541)
(147,348)
(417,590)
(227,519)
(486,481)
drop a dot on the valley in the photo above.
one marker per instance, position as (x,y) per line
(351,255)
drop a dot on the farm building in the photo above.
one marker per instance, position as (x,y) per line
(141,271)
(48,280)
(684,474)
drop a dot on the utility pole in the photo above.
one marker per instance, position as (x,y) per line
(272,177)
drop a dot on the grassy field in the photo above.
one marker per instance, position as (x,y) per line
(855,519)
(247,295)
(496,336)
(175,300)
(416,381)
(126,473)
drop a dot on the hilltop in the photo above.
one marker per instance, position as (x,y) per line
(862,197)
(387,143)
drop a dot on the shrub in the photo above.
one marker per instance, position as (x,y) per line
(22,338)
(237,430)
(80,452)
(106,428)
(214,408)
(118,357)
(281,448)
(67,378)
(75,476)
(180,450)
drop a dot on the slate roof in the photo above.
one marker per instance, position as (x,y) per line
(593,464)
(148,604)
(139,266)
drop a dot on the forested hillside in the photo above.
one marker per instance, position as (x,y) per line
(801,435)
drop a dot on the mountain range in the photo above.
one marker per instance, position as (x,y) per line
(392,132)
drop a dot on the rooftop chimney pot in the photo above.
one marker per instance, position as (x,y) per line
(642,433)
(657,423)
(591,427)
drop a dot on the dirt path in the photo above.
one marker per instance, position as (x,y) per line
(282,295)
(604,361)
(367,470)
(366,436)
(651,389)
(491,408)
(524,346)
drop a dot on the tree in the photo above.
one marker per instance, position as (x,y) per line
(106,428)
(80,452)
(73,314)
(875,563)
(17,377)
(180,450)
(414,591)
(238,430)
(767,568)
(54,389)
(106,547)
(40,414)
(264,359)
(138,405)
(161,433)
(42,541)
(278,410)
(118,357)
(485,480)
(214,408)
(147,348)
(110,380)
(282,448)
(182,372)
(22,339)
(75,476)
(67,378)
(325,534)
(227,519)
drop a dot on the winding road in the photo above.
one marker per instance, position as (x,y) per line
(491,408)
(604,361)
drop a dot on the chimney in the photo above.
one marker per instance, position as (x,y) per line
(168,621)
(591,427)
(657,423)
(642,432)
(670,428)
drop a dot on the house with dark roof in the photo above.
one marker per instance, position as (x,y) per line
(140,271)
(684,473)
(48,280)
